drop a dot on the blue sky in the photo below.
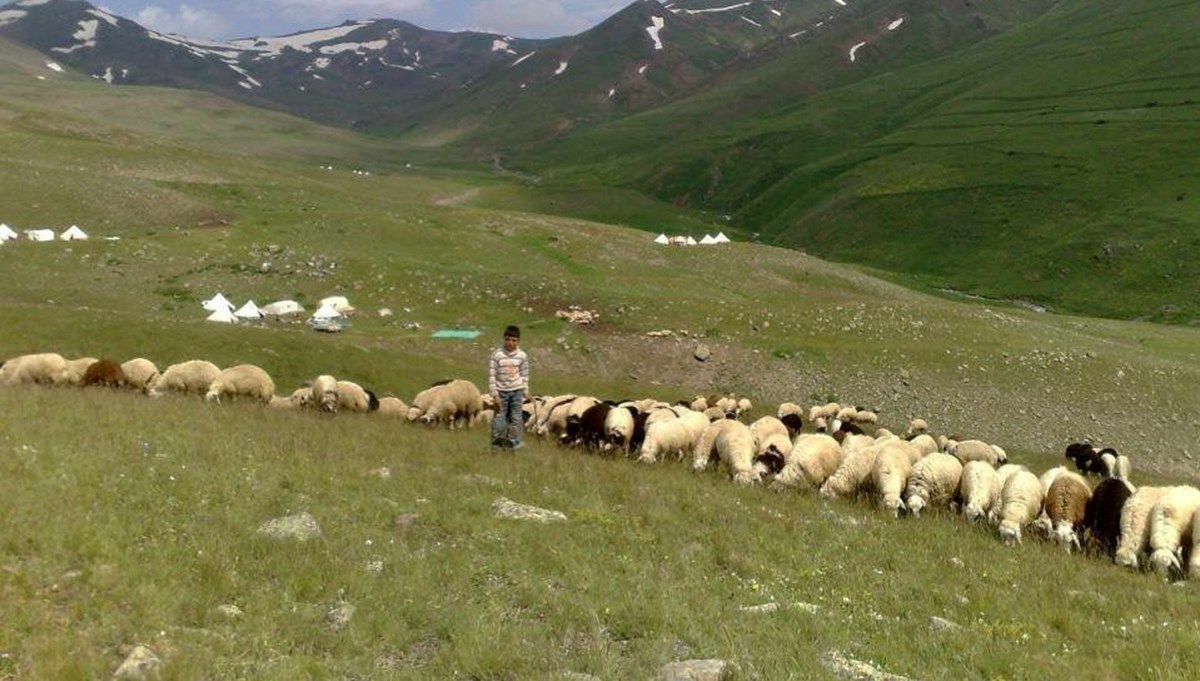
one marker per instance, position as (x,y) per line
(224,19)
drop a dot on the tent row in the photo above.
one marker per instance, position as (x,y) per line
(330,313)
(72,233)
(708,240)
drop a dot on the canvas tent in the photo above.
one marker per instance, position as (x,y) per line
(222,315)
(282,307)
(662,239)
(218,302)
(73,233)
(707,240)
(720,238)
(327,318)
(691,241)
(39,234)
(339,303)
(7,232)
(248,311)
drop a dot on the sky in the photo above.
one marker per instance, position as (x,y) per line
(226,19)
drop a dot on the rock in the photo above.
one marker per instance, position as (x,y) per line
(701,353)
(141,663)
(301,527)
(765,607)
(405,521)
(576,676)
(848,668)
(942,624)
(697,670)
(505,508)
(340,614)
(229,610)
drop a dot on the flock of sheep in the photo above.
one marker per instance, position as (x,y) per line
(823,449)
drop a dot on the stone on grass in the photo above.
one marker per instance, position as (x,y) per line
(845,667)
(702,353)
(301,527)
(141,663)
(942,624)
(765,607)
(697,670)
(505,508)
(229,610)
(340,614)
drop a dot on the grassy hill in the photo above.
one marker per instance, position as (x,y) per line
(1048,163)
(126,520)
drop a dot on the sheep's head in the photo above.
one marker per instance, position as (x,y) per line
(915,504)
(1064,535)
(973,512)
(213,395)
(771,461)
(1010,532)
(1165,562)
(414,413)
(747,477)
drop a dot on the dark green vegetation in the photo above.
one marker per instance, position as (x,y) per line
(125,520)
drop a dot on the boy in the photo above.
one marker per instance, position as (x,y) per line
(508,384)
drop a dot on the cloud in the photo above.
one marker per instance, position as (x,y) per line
(186,20)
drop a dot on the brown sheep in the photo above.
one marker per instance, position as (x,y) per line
(105,372)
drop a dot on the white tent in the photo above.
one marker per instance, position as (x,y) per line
(73,233)
(39,234)
(326,312)
(7,232)
(720,238)
(222,315)
(282,307)
(248,311)
(691,241)
(339,303)
(707,240)
(662,239)
(218,302)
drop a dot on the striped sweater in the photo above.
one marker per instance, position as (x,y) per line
(508,372)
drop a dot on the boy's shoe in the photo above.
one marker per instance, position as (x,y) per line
(500,444)
(516,445)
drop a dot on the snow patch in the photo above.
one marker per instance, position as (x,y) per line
(751,21)
(797,34)
(713,9)
(303,42)
(322,62)
(642,69)
(10,15)
(518,61)
(657,24)
(107,76)
(358,48)
(54,67)
(841,2)
(611,92)
(854,49)
(246,85)
(562,66)
(86,35)
(31,3)
(101,14)
(896,24)
(501,45)
(776,12)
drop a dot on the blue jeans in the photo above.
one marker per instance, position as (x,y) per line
(508,423)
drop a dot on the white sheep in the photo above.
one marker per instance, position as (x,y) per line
(735,448)
(301,398)
(846,414)
(454,403)
(618,427)
(791,415)
(916,427)
(924,443)
(46,368)
(1002,475)
(1135,525)
(139,373)
(674,436)
(1171,523)
(1020,502)
(1066,506)
(281,402)
(934,480)
(977,489)
(192,377)
(393,406)
(243,380)
(1043,523)
(700,403)
(824,411)
(704,449)
(771,439)
(855,475)
(889,476)
(814,457)
(353,398)
(976,450)
(76,368)
(324,393)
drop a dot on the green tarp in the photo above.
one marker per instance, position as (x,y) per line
(456,333)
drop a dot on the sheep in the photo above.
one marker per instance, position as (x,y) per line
(1171,524)
(454,403)
(139,373)
(934,480)
(1194,560)
(1020,502)
(735,448)
(393,406)
(1104,462)
(280,402)
(744,405)
(1002,475)
(324,393)
(543,408)
(790,413)
(976,450)
(865,417)
(618,427)
(106,372)
(771,441)
(890,475)
(977,489)
(674,436)
(76,368)
(572,433)
(243,380)
(699,403)
(1102,517)
(301,398)
(47,368)
(1043,523)
(354,398)
(820,424)
(1135,525)
(588,428)
(856,473)
(813,458)
(1066,506)
(190,377)
(846,414)
(555,422)
(824,411)
(916,427)
(924,443)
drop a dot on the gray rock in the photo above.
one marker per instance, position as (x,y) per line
(141,663)
(765,607)
(943,624)
(505,508)
(576,676)
(229,610)
(701,353)
(340,614)
(697,670)
(848,668)
(301,527)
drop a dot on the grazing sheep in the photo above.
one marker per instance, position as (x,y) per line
(47,368)
(889,477)
(1102,517)
(735,448)
(977,450)
(934,480)
(820,425)
(1066,505)
(1002,475)
(916,427)
(353,397)
(1020,502)
(855,475)
(105,372)
(674,436)
(324,393)
(704,449)
(824,411)
(1135,525)
(864,417)
(76,368)
(618,427)
(454,403)
(243,380)
(281,402)
(139,373)
(700,403)
(1043,523)
(588,428)
(846,414)
(393,406)
(1171,528)
(978,489)
(924,443)
(771,442)
(814,457)
(790,415)
(744,405)
(301,398)
(192,377)
(1089,460)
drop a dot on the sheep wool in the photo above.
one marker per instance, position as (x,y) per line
(455,403)
(1171,525)
(618,427)
(767,426)
(890,475)
(813,458)
(1020,502)
(924,443)
(735,449)
(675,436)
(704,449)
(46,368)
(77,368)
(324,393)
(1066,506)
(353,398)
(1135,525)
(392,406)
(974,450)
(934,480)
(243,380)
(192,377)
(977,488)
(1102,518)
(139,373)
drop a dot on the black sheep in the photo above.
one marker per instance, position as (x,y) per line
(1102,516)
